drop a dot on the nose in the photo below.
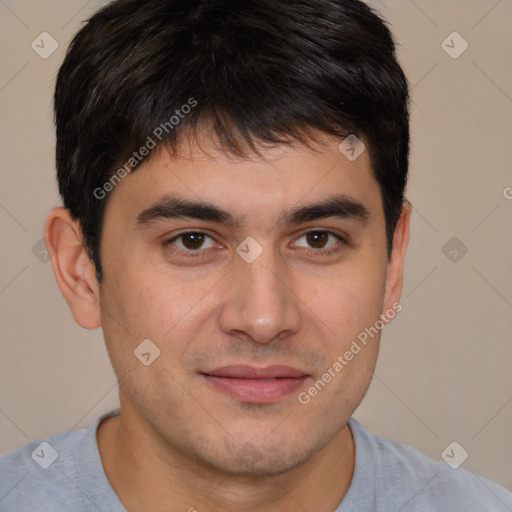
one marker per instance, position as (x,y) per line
(260,302)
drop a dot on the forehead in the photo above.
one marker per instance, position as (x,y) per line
(281,177)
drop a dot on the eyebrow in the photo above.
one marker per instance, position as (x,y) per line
(171,207)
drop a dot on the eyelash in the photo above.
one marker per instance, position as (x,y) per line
(199,253)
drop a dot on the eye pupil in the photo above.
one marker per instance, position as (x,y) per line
(193,240)
(317,239)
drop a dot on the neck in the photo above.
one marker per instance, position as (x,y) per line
(148,474)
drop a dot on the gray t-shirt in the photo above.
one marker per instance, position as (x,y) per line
(64,473)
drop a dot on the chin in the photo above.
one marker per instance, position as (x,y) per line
(265,461)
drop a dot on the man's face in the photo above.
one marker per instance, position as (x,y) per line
(226,322)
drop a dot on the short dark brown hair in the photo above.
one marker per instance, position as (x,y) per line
(271,71)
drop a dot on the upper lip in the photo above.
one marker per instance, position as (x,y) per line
(242,371)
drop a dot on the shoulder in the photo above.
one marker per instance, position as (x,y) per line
(403,475)
(61,472)
(37,473)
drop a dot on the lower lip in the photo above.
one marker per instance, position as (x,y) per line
(256,390)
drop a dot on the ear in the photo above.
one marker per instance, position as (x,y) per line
(394,274)
(74,271)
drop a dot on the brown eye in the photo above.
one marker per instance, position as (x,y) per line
(318,240)
(192,241)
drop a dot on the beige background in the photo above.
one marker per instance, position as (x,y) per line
(444,370)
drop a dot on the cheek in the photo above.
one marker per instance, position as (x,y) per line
(348,299)
(154,300)
(351,309)
(349,302)
(141,308)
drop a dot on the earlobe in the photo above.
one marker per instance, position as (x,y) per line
(394,275)
(72,267)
